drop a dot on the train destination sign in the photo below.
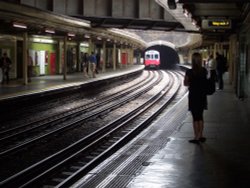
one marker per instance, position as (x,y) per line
(216,24)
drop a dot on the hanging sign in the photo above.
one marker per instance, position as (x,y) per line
(216,24)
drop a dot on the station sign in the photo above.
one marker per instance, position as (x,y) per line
(216,24)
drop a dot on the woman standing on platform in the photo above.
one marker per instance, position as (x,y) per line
(195,79)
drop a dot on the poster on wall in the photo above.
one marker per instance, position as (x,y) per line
(32,54)
(41,61)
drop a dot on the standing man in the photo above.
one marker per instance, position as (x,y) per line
(220,70)
(92,60)
(5,63)
(30,64)
(97,62)
(211,67)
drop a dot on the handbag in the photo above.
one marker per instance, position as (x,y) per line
(210,86)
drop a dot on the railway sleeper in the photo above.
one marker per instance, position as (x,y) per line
(67,173)
(75,167)
(57,180)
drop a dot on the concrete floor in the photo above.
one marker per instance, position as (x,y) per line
(223,161)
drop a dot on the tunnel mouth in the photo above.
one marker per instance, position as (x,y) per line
(168,56)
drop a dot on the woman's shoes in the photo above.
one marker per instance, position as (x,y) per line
(194,141)
(201,139)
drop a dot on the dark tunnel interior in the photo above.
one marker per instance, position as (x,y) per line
(169,57)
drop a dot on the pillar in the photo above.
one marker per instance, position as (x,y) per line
(114,56)
(25,58)
(78,60)
(89,52)
(65,59)
(104,56)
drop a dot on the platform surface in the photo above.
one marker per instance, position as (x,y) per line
(52,82)
(223,161)
(162,157)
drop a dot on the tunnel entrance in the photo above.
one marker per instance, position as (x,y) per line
(169,57)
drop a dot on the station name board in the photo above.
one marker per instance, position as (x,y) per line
(216,24)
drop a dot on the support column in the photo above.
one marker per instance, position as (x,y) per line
(89,52)
(104,56)
(25,58)
(15,57)
(65,59)
(114,56)
(78,56)
(216,49)
(211,51)
(129,56)
(132,55)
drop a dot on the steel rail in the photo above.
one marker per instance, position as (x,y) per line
(78,143)
(74,123)
(75,110)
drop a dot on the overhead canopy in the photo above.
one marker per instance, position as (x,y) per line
(202,12)
(38,21)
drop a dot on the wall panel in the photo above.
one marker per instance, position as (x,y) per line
(45,4)
(155,10)
(130,8)
(28,2)
(59,6)
(117,8)
(103,7)
(144,9)
(89,8)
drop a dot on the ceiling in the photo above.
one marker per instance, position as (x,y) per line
(198,10)
(131,23)
(235,11)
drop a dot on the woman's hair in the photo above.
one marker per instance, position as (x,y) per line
(196,63)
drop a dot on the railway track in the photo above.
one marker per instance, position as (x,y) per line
(49,106)
(11,139)
(66,166)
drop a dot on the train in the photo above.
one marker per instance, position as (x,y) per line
(152,59)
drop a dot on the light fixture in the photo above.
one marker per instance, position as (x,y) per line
(43,40)
(99,38)
(71,34)
(185,12)
(84,44)
(108,40)
(194,22)
(86,36)
(51,31)
(19,25)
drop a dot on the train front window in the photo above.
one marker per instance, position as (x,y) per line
(147,56)
(156,56)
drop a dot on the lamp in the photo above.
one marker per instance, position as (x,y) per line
(86,36)
(51,31)
(71,34)
(19,25)
(186,13)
